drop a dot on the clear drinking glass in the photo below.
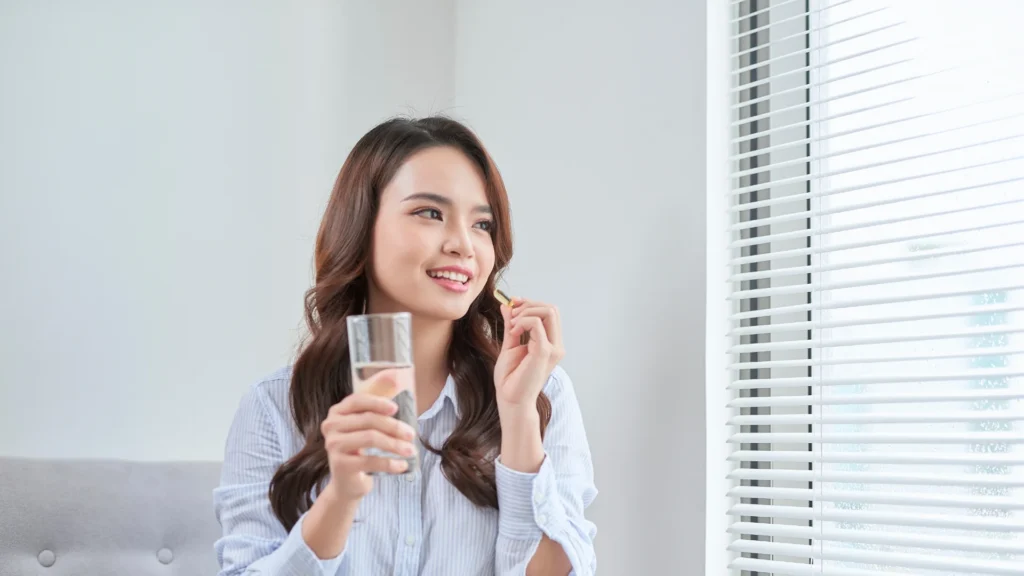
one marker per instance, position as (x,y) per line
(379,342)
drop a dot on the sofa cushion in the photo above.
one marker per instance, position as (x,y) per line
(107,517)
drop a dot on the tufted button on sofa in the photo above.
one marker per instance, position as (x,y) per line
(107,518)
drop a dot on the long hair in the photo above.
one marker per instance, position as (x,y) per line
(321,373)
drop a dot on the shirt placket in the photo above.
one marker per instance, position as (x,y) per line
(410,525)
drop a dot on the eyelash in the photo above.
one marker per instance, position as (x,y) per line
(488,225)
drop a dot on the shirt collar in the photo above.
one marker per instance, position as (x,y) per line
(447,395)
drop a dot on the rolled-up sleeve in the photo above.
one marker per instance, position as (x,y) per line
(253,540)
(552,501)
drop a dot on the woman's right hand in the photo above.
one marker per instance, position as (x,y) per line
(365,420)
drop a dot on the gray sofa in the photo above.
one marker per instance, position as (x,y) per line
(107,518)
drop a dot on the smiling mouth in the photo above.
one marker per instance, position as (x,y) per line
(448,275)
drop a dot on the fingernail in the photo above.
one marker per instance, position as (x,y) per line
(400,465)
(408,450)
(408,432)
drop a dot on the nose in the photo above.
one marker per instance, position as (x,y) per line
(457,242)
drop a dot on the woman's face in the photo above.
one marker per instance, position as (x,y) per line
(432,250)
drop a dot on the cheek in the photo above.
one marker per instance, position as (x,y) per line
(398,253)
(485,256)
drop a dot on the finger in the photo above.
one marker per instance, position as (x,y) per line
(521,303)
(352,442)
(372,464)
(548,315)
(535,326)
(363,402)
(369,421)
(386,383)
(515,356)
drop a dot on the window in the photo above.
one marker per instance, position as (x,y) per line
(876,286)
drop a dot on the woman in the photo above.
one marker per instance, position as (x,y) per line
(418,221)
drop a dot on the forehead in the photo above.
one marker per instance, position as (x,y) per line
(440,170)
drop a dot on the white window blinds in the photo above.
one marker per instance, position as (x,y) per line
(877,288)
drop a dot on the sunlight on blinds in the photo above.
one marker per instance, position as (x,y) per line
(878,282)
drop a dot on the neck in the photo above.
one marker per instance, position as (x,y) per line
(430,340)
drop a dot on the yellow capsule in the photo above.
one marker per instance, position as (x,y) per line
(501,297)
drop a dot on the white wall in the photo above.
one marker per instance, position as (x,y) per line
(594,112)
(163,167)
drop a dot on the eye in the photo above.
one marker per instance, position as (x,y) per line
(485,225)
(430,213)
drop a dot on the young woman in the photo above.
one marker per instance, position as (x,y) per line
(418,221)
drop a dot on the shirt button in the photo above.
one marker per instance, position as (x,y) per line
(410,478)
(47,558)
(542,519)
(539,498)
(409,540)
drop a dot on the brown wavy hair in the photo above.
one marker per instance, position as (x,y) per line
(321,376)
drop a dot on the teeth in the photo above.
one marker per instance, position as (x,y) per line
(461,278)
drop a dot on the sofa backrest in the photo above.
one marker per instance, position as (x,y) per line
(107,518)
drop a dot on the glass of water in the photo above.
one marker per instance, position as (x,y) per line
(379,342)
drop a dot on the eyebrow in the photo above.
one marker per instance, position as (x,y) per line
(443,201)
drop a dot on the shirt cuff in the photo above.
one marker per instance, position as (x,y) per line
(295,558)
(528,506)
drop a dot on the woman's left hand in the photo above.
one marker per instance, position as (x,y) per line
(522,369)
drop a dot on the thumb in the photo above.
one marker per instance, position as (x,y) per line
(384,383)
(507,340)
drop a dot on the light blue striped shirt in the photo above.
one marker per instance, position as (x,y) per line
(412,524)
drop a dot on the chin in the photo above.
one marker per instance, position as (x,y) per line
(449,313)
(446,308)
(439,304)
